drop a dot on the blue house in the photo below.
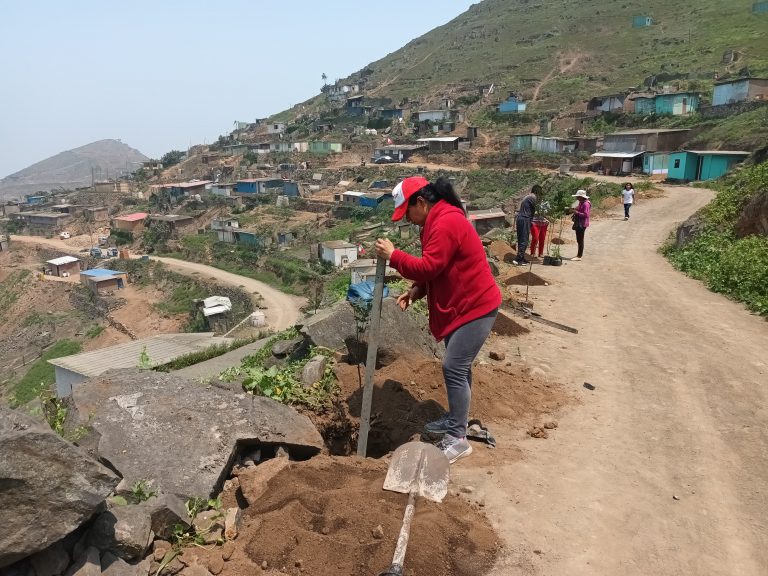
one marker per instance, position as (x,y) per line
(677,103)
(641,21)
(656,163)
(354,106)
(760,8)
(373,200)
(35,200)
(258,185)
(739,90)
(512,105)
(389,113)
(290,188)
(691,165)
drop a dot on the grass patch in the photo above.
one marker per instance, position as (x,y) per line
(203,355)
(11,288)
(94,331)
(33,319)
(41,375)
(180,299)
(737,267)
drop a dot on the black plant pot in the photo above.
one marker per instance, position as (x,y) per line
(557,261)
(547,261)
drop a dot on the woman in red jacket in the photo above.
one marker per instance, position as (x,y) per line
(462,296)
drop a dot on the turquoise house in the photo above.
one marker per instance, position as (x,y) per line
(319,147)
(703,164)
(656,163)
(677,104)
(645,105)
(760,8)
(641,21)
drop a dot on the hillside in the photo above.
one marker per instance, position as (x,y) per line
(72,168)
(559,53)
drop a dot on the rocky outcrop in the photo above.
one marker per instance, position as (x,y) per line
(179,434)
(335,328)
(48,487)
(754,217)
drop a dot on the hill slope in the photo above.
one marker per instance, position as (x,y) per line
(558,53)
(72,168)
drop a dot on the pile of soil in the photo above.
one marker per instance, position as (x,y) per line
(410,392)
(329,516)
(500,249)
(525,279)
(505,326)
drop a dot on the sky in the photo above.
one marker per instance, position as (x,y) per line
(166,74)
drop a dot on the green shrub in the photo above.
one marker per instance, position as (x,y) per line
(41,374)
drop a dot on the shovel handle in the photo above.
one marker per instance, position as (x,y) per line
(398,560)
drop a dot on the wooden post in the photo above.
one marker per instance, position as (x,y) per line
(370,361)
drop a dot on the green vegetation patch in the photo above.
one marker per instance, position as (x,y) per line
(11,288)
(737,267)
(41,375)
(203,355)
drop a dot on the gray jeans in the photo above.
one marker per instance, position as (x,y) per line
(461,347)
(523,226)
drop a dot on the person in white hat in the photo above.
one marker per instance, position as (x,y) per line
(580,215)
(462,295)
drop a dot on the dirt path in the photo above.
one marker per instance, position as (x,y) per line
(662,469)
(560,68)
(282,310)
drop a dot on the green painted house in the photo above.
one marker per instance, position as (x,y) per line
(319,147)
(691,165)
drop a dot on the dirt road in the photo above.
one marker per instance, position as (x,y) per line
(663,468)
(282,310)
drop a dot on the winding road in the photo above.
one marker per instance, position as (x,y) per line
(281,310)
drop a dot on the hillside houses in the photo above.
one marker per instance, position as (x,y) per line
(739,90)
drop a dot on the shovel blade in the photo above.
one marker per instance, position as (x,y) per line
(421,468)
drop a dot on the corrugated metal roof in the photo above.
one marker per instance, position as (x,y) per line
(616,154)
(336,244)
(132,217)
(441,139)
(160,349)
(100,272)
(720,152)
(62,260)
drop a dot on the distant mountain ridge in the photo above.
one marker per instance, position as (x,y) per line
(73,168)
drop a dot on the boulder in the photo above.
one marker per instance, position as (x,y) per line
(754,217)
(165,511)
(314,370)
(53,560)
(283,348)
(399,332)
(88,564)
(180,434)
(49,486)
(112,565)
(125,531)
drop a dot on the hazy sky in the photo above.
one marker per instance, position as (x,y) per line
(162,75)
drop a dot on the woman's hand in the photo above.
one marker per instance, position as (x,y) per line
(384,248)
(404,300)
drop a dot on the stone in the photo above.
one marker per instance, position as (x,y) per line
(125,531)
(227,550)
(232,523)
(754,217)
(551,425)
(335,328)
(88,564)
(495,355)
(493,266)
(209,525)
(195,570)
(166,511)
(378,532)
(468,489)
(314,370)
(53,560)
(283,348)
(215,564)
(179,434)
(254,480)
(49,486)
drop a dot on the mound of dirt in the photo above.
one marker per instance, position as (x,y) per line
(329,516)
(410,392)
(525,279)
(505,326)
(500,249)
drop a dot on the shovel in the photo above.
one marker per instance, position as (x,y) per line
(416,469)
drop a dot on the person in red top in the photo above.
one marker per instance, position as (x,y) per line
(462,296)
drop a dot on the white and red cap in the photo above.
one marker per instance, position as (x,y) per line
(402,193)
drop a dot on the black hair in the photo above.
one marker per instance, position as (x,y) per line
(440,189)
(536,189)
(628,184)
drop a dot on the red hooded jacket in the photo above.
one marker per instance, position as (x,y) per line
(453,271)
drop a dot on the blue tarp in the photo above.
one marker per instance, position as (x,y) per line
(361,294)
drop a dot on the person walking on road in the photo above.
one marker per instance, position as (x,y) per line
(580,215)
(523,224)
(462,295)
(628,196)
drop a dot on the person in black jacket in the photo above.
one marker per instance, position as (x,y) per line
(523,224)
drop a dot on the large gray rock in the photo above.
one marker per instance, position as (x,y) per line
(123,530)
(48,487)
(399,332)
(51,561)
(88,564)
(180,434)
(313,371)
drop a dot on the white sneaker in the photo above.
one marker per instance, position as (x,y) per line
(454,448)
(576,259)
